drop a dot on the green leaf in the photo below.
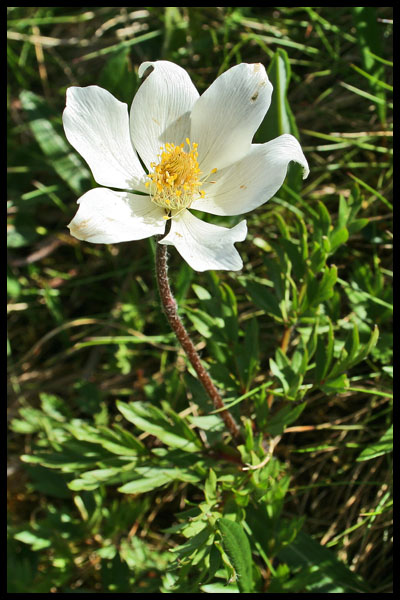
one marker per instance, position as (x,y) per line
(352,343)
(275,370)
(71,455)
(282,226)
(369,39)
(263,298)
(317,258)
(146,484)
(337,238)
(286,415)
(210,488)
(324,354)
(117,77)
(279,118)
(60,154)
(294,252)
(349,352)
(179,425)
(154,475)
(229,309)
(220,588)
(343,212)
(215,562)
(383,446)
(195,543)
(119,441)
(218,318)
(356,225)
(319,290)
(204,323)
(247,353)
(303,237)
(32,420)
(152,420)
(236,545)
(33,540)
(324,223)
(201,292)
(367,348)
(335,577)
(312,340)
(335,386)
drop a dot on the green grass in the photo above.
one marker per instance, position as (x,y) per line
(89,349)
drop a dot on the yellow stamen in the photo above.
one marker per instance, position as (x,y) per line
(175,180)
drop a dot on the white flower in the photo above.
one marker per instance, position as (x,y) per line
(198,152)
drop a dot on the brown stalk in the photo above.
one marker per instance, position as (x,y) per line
(171,311)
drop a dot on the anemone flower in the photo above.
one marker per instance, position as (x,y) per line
(198,156)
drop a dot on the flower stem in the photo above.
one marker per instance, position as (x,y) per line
(171,311)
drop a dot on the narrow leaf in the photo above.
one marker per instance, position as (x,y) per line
(152,420)
(60,154)
(145,484)
(324,353)
(236,545)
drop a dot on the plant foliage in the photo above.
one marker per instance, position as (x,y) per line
(122,476)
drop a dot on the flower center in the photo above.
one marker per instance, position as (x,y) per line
(175,180)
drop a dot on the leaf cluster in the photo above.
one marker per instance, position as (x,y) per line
(128,480)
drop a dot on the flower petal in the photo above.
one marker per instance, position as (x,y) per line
(253,180)
(205,246)
(226,117)
(108,217)
(160,110)
(97,126)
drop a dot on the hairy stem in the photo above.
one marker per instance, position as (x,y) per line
(171,311)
